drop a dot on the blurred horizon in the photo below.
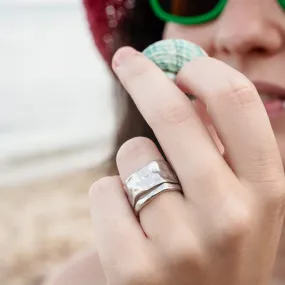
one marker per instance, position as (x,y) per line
(11,2)
(54,91)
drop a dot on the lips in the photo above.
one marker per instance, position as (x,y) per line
(273,98)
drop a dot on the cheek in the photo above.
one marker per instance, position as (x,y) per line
(200,35)
(172,31)
(204,36)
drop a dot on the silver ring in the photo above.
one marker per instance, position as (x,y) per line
(148,182)
(144,200)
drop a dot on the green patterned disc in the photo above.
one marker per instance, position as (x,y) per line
(171,55)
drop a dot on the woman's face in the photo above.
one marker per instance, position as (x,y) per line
(249,36)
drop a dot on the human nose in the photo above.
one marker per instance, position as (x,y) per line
(244,27)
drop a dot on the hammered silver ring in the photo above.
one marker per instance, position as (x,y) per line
(150,181)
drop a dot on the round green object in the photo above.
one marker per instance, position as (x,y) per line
(170,55)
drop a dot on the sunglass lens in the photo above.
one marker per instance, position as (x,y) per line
(188,8)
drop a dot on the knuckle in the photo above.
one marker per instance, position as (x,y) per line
(275,196)
(103,184)
(171,113)
(185,252)
(240,95)
(265,167)
(236,226)
(137,274)
(237,89)
(133,147)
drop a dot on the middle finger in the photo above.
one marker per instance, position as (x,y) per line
(178,128)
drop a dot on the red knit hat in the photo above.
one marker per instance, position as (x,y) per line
(104,17)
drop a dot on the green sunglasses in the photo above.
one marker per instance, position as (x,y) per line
(190,12)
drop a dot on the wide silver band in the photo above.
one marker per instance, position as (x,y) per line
(144,200)
(145,184)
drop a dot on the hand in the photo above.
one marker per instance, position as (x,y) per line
(225,228)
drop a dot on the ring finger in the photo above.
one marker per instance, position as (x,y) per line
(165,217)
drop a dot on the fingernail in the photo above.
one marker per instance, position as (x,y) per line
(121,55)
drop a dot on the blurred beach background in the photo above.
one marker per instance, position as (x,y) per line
(57,125)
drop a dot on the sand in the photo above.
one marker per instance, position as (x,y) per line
(43,224)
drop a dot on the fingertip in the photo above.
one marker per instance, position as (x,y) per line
(122,55)
(103,185)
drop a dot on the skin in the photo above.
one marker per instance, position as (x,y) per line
(242,232)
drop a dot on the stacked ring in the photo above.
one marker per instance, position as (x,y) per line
(150,181)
